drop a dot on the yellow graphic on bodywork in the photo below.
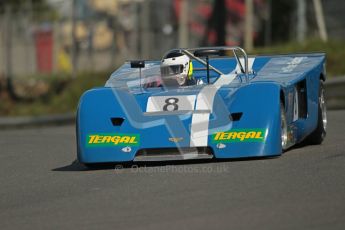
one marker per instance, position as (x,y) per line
(240,135)
(113,139)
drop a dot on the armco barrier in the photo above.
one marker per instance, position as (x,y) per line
(18,122)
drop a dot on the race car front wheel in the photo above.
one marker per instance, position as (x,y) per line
(319,134)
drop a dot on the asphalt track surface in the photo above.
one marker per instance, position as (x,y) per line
(43,188)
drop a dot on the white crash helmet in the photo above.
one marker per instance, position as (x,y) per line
(177,66)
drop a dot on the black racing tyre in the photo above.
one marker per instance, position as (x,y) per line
(283,128)
(92,166)
(105,165)
(319,134)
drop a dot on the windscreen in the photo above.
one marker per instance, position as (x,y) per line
(127,77)
(153,75)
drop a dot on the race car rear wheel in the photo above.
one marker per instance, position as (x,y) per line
(319,134)
(283,127)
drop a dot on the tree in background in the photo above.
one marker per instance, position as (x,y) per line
(274,22)
(216,25)
(15,4)
(39,9)
(282,12)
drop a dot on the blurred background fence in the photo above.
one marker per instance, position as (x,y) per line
(36,35)
(63,38)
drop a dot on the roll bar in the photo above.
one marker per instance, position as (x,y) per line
(196,53)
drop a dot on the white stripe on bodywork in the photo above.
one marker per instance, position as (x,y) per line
(204,101)
(200,121)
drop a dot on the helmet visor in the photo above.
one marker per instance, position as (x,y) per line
(171,70)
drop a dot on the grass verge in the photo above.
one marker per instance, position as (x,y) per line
(48,94)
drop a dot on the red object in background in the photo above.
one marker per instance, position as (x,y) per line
(44,51)
(235,15)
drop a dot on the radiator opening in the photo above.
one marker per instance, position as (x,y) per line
(117,121)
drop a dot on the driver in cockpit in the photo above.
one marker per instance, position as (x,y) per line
(177,70)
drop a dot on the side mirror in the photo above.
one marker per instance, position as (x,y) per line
(137,64)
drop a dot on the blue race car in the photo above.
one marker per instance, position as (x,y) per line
(213,102)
